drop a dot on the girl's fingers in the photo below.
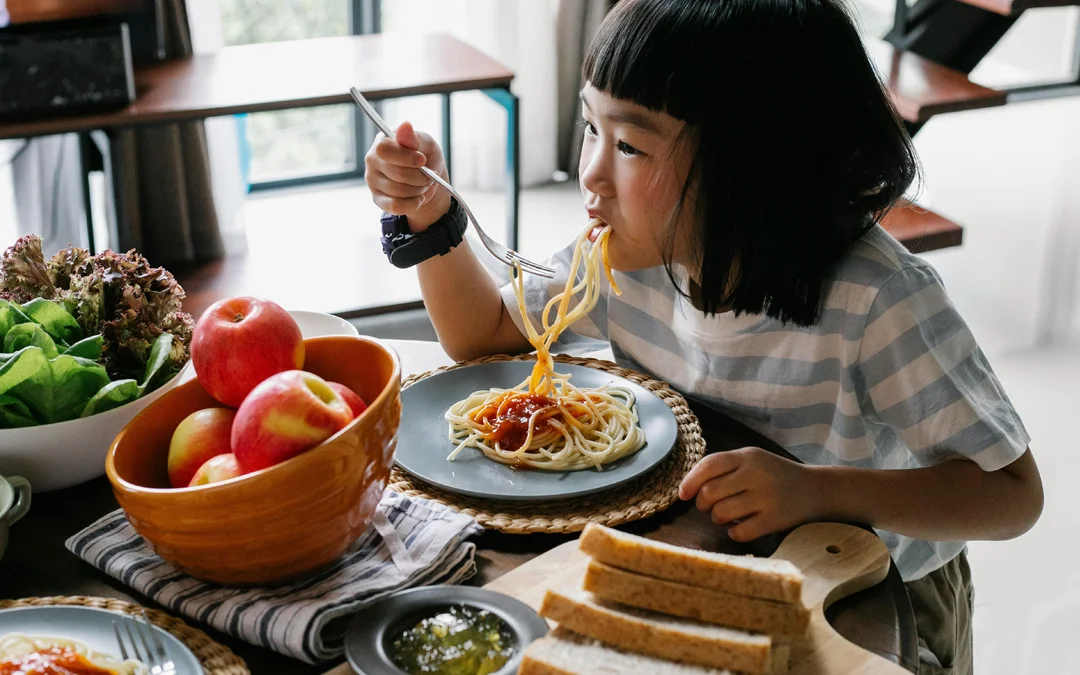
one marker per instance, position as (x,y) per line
(405,175)
(712,466)
(715,490)
(731,509)
(392,152)
(750,528)
(380,184)
(396,206)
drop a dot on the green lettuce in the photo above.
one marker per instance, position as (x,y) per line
(120,392)
(59,390)
(30,335)
(56,320)
(117,295)
(49,373)
(14,413)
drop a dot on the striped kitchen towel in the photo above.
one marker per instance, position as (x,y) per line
(412,542)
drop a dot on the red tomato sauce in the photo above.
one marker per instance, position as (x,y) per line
(54,661)
(509,417)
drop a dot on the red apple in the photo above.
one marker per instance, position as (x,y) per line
(351,397)
(287,414)
(217,469)
(240,342)
(203,434)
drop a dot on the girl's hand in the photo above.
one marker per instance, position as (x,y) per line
(392,172)
(752,491)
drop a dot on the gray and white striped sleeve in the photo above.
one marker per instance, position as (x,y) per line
(924,375)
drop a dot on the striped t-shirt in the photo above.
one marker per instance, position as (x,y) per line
(889,378)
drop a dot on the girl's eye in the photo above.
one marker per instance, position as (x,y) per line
(627,149)
(590,130)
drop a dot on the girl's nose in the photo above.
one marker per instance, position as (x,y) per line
(594,172)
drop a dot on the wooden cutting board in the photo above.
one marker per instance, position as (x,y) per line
(837,560)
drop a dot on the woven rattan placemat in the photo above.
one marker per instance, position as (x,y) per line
(640,498)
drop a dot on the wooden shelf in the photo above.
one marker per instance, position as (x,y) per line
(922,230)
(921,88)
(286,75)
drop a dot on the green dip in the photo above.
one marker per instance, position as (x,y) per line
(460,640)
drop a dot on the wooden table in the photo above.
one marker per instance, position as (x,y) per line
(303,74)
(37,564)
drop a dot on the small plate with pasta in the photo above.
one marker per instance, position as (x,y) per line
(74,639)
(536,430)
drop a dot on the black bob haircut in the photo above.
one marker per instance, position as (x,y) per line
(798,150)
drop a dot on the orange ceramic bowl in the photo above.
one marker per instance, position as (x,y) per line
(279,523)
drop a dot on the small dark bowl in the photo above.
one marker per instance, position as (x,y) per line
(380,622)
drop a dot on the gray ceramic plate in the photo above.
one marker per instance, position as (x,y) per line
(90,625)
(371,633)
(423,443)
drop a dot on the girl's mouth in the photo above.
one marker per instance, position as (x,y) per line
(598,227)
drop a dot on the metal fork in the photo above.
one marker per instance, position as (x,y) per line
(503,254)
(148,650)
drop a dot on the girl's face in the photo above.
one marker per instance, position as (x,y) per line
(632,172)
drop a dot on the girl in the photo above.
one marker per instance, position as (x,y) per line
(742,152)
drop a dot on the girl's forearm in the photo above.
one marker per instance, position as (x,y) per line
(466,307)
(954,501)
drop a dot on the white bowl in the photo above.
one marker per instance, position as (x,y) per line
(55,456)
(318,324)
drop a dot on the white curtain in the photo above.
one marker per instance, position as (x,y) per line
(517,33)
(222,138)
(48,189)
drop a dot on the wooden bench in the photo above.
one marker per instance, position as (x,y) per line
(921,88)
(921,230)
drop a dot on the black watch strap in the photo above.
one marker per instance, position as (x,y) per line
(406,249)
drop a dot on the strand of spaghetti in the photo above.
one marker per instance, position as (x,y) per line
(603,241)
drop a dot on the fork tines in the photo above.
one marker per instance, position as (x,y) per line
(145,645)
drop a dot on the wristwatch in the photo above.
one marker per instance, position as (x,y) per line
(407,249)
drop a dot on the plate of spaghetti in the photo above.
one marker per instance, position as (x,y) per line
(63,639)
(535,430)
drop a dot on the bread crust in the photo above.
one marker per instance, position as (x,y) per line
(693,602)
(766,578)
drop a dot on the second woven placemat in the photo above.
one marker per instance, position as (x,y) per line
(640,498)
(216,659)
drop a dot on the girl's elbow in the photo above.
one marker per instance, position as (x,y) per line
(461,351)
(1033,506)
(1026,510)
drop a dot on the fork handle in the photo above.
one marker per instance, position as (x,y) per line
(439,179)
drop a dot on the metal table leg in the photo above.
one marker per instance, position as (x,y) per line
(446,136)
(509,101)
(86,166)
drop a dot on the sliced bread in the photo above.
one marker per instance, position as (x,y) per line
(564,653)
(693,602)
(769,578)
(657,634)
